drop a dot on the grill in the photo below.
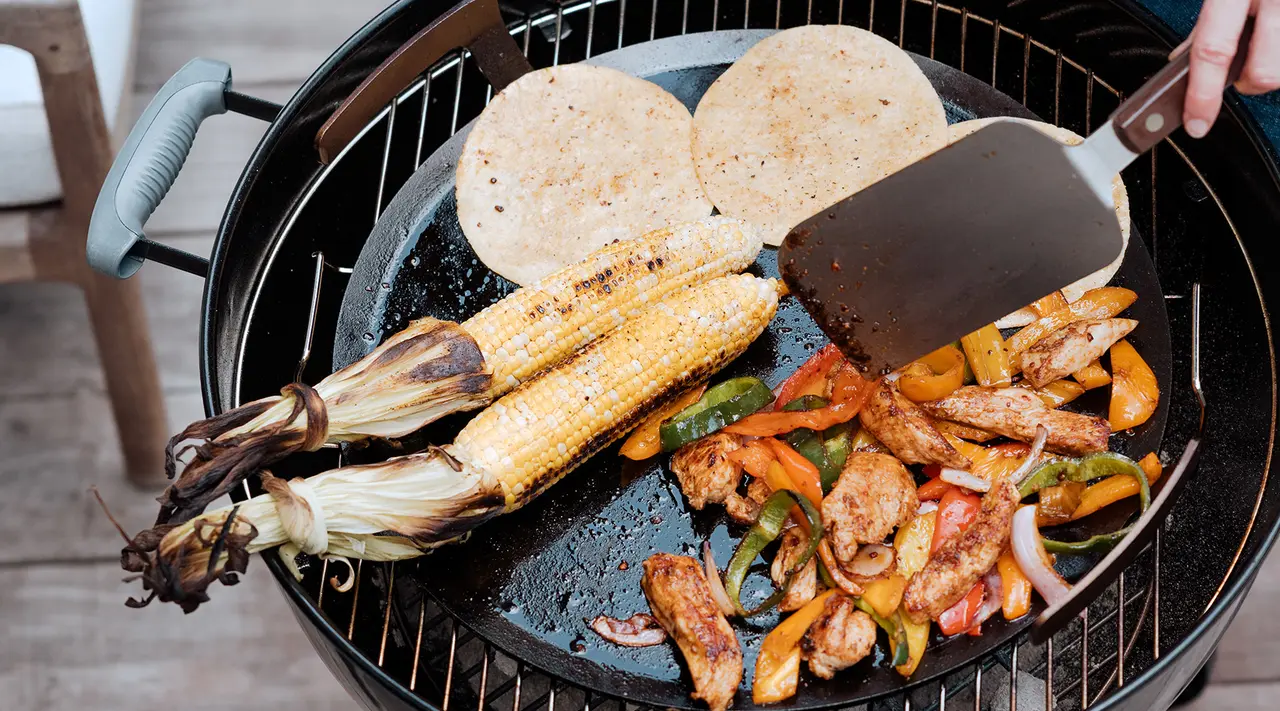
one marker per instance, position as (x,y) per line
(393,646)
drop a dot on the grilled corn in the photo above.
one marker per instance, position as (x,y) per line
(433,368)
(501,460)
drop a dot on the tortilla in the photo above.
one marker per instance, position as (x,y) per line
(1073,291)
(808,117)
(568,159)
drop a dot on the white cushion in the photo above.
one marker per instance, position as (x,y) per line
(28,173)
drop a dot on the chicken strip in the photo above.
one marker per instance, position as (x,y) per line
(841,637)
(742,509)
(679,597)
(804,585)
(704,469)
(1016,412)
(964,558)
(1072,348)
(905,429)
(874,495)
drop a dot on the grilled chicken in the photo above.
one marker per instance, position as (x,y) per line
(905,429)
(758,491)
(704,469)
(839,638)
(1072,348)
(972,434)
(963,559)
(679,597)
(1016,412)
(742,509)
(874,495)
(804,584)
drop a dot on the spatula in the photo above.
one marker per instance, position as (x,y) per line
(977,230)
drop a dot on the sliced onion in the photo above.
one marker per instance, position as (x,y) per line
(872,561)
(718,593)
(640,630)
(1037,447)
(842,581)
(926,507)
(993,600)
(960,477)
(1029,552)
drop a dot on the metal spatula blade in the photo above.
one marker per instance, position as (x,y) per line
(950,244)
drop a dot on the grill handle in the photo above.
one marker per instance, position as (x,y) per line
(474,24)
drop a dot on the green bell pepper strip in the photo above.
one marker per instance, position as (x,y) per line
(810,444)
(1085,469)
(719,407)
(767,528)
(839,446)
(893,627)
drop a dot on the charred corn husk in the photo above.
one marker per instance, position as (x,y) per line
(433,368)
(502,459)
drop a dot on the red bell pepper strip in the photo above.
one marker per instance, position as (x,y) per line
(955,512)
(849,392)
(959,617)
(816,368)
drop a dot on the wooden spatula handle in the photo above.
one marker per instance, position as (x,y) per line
(1155,110)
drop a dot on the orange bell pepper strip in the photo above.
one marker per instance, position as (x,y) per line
(934,376)
(1134,391)
(956,511)
(1015,588)
(1092,376)
(1114,488)
(754,457)
(959,617)
(646,441)
(776,672)
(1048,304)
(849,391)
(813,371)
(932,490)
(801,471)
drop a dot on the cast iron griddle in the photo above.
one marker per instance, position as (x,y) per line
(528,582)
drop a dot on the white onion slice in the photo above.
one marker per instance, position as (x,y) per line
(926,507)
(1029,552)
(841,580)
(871,561)
(960,477)
(993,600)
(1037,447)
(718,593)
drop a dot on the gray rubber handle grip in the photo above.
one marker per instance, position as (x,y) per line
(149,162)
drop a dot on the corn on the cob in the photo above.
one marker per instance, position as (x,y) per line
(433,368)
(501,460)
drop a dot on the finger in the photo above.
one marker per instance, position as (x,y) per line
(1262,69)
(1186,44)
(1212,49)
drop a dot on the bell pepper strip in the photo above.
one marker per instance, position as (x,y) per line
(933,490)
(801,471)
(917,641)
(721,405)
(810,444)
(964,432)
(646,441)
(754,457)
(1134,391)
(1104,302)
(773,677)
(849,391)
(891,625)
(1088,468)
(1092,376)
(776,477)
(885,594)
(987,356)
(1058,504)
(1057,393)
(1113,489)
(838,448)
(814,370)
(767,528)
(959,617)
(833,573)
(934,376)
(1048,304)
(956,511)
(864,441)
(1015,588)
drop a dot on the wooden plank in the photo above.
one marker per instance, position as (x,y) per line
(71,644)
(1250,648)
(55,447)
(1236,697)
(281,40)
(15,256)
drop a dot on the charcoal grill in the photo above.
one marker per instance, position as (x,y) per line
(295,227)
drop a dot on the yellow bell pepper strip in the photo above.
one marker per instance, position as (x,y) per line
(801,471)
(991,463)
(1059,392)
(988,357)
(645,441)
(849,391)
(775,678)
(1048,304)
(917,641)
(767,528)
(1015,588)
(1058,504)
(892,627)
(1134,392)
(934,376)
(1092,376)
(810,378)
(1108,491)
(1104,302)
(864,441)
(884,595)
(964,432)
(912,543)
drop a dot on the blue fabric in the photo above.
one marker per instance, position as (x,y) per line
(1181,16)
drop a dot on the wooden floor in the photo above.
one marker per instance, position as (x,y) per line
(66,639)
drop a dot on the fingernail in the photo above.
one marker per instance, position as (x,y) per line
(1196,128)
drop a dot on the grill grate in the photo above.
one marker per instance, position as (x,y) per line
(445,664)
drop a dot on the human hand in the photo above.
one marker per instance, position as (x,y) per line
(1213,45)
